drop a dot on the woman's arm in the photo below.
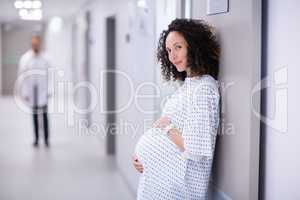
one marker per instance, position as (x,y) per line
(201,123)
(173,133)
(176,137)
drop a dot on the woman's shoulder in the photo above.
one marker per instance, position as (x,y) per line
(203,88)
(203,81)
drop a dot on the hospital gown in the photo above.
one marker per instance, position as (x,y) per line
(170,174)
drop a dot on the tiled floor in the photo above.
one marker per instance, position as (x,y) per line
(74,167)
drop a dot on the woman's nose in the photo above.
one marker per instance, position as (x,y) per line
(173,55)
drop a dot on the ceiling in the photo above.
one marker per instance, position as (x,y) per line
(62,8)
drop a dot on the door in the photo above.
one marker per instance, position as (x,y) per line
(110,83)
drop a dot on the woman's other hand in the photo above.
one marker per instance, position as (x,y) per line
(176,137)
(137,165)
(162,122)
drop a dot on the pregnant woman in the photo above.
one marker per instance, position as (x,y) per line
(175,156)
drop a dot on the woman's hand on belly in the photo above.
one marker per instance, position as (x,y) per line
(173,133)
(162,122)
(137,165)
(176,137)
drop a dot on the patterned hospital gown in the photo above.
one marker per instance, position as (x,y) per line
(170,174)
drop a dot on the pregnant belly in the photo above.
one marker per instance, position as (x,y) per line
(160,157)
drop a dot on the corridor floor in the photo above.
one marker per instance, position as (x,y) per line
(74,167)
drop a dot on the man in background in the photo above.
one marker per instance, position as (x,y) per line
(34,88)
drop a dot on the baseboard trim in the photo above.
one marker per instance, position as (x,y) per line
(216,194)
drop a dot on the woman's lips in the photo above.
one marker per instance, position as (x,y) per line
(177,63)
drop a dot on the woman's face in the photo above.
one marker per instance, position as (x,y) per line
(176,46)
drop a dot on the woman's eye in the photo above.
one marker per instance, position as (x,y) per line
(178,47)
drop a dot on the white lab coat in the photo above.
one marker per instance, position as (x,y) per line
(33,77)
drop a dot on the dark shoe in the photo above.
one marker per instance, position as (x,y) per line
(47,144)
(35,144)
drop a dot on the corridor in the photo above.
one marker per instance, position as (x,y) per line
(74,167)
(110,70)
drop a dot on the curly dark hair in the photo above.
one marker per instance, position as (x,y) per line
(203,49)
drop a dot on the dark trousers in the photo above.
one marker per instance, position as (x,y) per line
(37,112)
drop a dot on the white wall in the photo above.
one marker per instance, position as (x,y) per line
(58,47)
(282,164)
(0,59)
(137,59)
(99,11)
(235,172)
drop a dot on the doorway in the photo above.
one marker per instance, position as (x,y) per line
(111,84)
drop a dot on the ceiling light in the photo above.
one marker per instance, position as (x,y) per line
(27,4)
(37,13)
(18,4)
(23,12)
(36,4)
(142,4)
(31,17)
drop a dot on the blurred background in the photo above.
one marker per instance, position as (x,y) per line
(105,90)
